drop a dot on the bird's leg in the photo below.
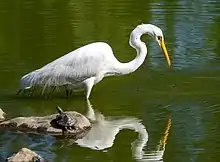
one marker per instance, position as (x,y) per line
(70,92)
(67,93)
(31,91)
(88,86)
(49,95)
(19,91)
(90,114)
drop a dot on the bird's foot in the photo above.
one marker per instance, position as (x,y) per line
(19,91)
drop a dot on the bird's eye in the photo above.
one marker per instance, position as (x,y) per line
(159,38)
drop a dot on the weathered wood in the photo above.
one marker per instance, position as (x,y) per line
(42,125)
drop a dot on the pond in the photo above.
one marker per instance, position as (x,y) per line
(155,112)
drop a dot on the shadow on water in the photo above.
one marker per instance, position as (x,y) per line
(101,137)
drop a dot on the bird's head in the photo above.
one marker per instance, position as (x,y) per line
(158,36)
(156,33)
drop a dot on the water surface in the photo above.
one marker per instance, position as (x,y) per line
(33,33)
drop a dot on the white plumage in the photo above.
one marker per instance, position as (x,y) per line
(87,65)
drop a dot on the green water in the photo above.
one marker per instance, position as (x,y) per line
(33,33)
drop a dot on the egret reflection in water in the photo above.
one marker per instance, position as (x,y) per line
(101,137)
(104,130)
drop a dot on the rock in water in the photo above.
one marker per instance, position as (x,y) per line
(25,155)
(43,125)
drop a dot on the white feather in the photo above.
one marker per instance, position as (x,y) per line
(87,65)
(72,68)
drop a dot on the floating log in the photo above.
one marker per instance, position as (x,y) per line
(42,125)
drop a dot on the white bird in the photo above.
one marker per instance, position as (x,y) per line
(88,65)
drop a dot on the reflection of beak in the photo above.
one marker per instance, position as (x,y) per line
(163,141)
(164,49)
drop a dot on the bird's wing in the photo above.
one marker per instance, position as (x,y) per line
(76,66)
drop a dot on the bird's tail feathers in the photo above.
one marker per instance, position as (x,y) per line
(43,79)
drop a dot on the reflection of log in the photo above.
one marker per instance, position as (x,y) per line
(42,125)
(2,114)
(25,155)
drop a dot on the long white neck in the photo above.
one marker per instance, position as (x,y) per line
(139,144)
(141,49)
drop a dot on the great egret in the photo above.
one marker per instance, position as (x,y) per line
(88,65)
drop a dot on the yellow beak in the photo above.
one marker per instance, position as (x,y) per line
(164,49)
